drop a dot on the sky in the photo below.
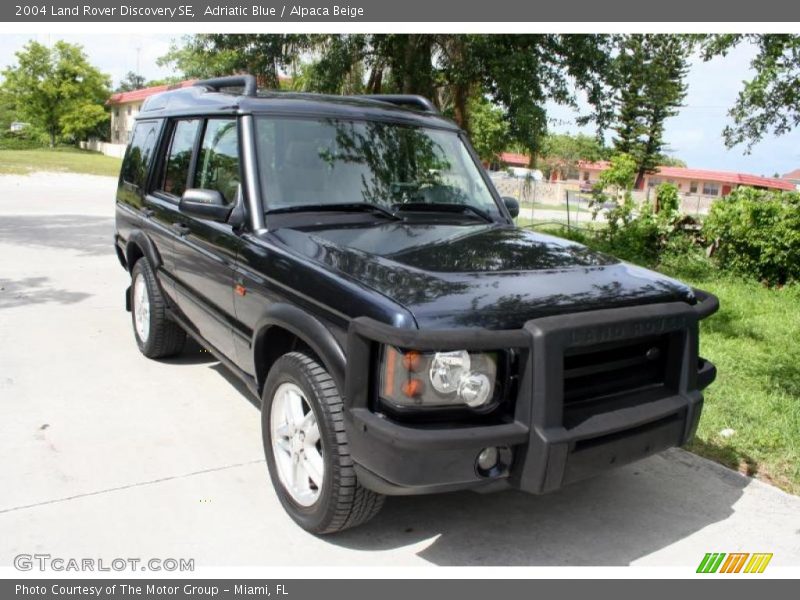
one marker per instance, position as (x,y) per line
(694,135)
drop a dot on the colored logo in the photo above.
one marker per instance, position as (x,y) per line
(735,562)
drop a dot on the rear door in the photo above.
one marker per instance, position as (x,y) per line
(205,251)
(141,210)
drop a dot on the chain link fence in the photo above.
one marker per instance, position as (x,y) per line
(567,203)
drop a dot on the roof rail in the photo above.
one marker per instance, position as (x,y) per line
(404,100)
(248,82)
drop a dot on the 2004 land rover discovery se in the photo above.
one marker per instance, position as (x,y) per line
(350,261)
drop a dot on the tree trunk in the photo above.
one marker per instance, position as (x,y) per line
(375,79)
(52,138)
(639,183)
(409,65)
(460,112)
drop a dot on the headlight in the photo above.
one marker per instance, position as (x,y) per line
(438,379)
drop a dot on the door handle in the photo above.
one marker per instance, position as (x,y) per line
(181,229)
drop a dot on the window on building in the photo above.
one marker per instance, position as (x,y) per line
(218,162)
(710,188)
(129,110)
(692,187)
(116,112)
(179,156)
(140,152)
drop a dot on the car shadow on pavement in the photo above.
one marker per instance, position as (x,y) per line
(610,520)
(89,235)
(35,290)
(192,354)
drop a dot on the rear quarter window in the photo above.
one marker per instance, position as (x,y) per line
(140,153)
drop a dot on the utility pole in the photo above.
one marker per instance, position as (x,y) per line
(138,52)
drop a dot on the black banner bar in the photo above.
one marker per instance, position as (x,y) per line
(397,589)
(406,11)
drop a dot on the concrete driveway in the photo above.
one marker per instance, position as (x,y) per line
(105,453)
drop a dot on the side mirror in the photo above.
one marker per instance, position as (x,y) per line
(205,204)
(512,205)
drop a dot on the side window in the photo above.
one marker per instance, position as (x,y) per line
(218,162)
(140,153)
(179,157)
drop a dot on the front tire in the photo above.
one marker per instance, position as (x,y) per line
(307,451)
(156,335)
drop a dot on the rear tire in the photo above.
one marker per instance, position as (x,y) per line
(156,335)
(320,501)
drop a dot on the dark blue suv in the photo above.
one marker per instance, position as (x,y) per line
(349,259)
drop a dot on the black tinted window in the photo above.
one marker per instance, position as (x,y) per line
(137,162)
(218,163)
(179,157)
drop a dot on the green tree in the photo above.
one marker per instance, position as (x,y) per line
(131,81)
(518,73)
(489,128)
(214,54)
(650,73)
(619,178)
(769,102)
(8,112)
(57,90)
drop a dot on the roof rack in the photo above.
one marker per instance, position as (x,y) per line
(248,82)
(404,100)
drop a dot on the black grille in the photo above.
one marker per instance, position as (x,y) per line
(603,378)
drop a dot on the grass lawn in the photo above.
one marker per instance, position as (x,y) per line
(755,342)
(72,160)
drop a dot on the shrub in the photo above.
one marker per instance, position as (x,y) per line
(756,233)
(29,138)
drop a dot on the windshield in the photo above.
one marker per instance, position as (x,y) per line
(325,162)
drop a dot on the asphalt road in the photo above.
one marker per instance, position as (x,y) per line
(105,453)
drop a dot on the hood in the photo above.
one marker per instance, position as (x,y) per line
(494,277)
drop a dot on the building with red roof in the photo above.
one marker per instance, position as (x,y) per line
(695,181)
(126,105)
(793,177)
(513,159)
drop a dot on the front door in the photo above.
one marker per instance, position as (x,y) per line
(204,154)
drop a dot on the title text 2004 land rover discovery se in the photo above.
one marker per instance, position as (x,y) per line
(349,260)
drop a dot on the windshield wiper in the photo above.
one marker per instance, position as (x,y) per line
(443,207)
(341,206)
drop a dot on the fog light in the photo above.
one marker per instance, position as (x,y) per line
(487,459)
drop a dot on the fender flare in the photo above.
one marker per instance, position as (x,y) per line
(307,328)
(149,251)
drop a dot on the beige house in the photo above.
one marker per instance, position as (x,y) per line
(126,105)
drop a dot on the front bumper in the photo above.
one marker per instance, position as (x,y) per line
(548,442)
